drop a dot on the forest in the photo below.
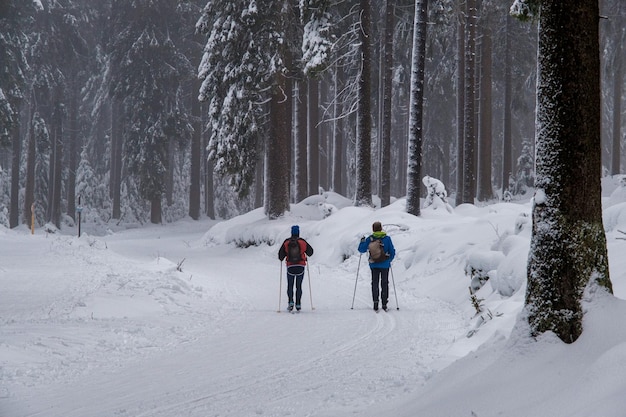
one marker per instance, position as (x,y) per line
(141,111)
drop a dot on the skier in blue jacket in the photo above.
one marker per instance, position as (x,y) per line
(381,254)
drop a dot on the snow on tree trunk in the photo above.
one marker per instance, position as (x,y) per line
(364,124)
(416,108)
(568,244)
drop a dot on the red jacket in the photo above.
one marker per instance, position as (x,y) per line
(305,249)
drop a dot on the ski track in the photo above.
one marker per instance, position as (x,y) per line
(196,342)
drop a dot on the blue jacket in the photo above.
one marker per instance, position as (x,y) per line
(387,245)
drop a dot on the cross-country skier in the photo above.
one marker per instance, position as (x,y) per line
(381,254)
(294,251)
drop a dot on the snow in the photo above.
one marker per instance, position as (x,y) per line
(183,320)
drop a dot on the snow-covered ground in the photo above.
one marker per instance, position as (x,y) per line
(183,320)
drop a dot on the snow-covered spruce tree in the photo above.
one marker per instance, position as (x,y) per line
(416,108)
(147,72)
(245,71)
(317,35)
(233,77)
(568,246)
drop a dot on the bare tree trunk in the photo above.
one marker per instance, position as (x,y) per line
(31,160)
(469,148)
(485,187)
(364,124)
(416,133)
(116,157)
(507,167)
(617,107)
(196,153)
(385,177)
(460,100)
(278,153)
(14,211)
(169,171)
(300,141)
(568,243)
(155,210)
(336,184)
(313,148)
(74,155)
(56,167)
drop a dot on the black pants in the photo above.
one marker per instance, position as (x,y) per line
(295,274)
(380,275)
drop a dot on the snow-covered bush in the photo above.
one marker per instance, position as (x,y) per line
(436,195)
(511,270)
(479,267)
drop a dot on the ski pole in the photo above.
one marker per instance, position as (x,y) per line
(280,286)
(310,293)
(355,281)
(394,287)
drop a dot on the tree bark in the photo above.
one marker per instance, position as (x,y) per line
(414,169)
(469,142)
(278,153)
(617,107)
(116,157)
(485,187)
(364,123)
(73,150)
(155,210)
(313,146)
(568,243)
(460,103)
(385,159)
(300,142)
(507,167)
(14,212)
(196,153)
(31,160)
(336,182)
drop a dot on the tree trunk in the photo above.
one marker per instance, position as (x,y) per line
(73,150)
(507,166)
(196,153)
(485,187)
(14,211)
(31,160)
(460,104)
(364,124)
(169,171)
(278,154)
(617,107)
(469,145)
(416,133)
(568,243)
(56,167)
(116,157)
(300,142)
(313,148)
(155,210)
(336,182)
(385,159)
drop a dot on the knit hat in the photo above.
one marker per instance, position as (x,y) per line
(295,230)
